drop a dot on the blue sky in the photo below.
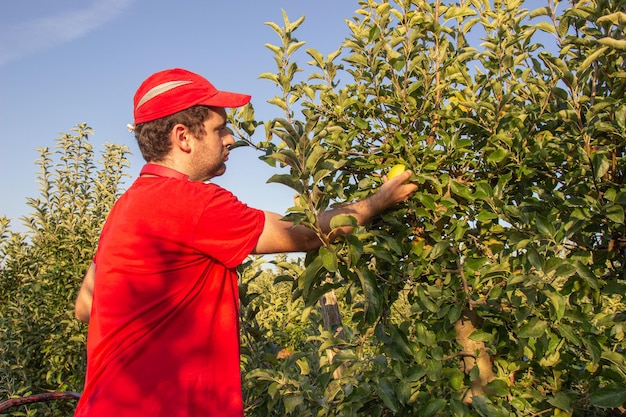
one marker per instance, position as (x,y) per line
(66,62)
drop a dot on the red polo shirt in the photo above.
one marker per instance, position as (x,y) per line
(164,329)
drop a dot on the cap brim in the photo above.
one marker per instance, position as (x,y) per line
(226,99)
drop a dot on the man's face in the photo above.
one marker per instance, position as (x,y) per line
(211,150)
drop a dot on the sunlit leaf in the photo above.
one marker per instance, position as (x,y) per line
(288,180)
(534,328)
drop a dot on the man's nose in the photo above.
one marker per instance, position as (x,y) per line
(228,139)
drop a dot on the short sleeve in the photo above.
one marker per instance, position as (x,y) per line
(228,230)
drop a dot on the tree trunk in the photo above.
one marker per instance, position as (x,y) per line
(474,354)
(332,322)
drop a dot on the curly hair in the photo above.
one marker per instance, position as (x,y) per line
(153,137)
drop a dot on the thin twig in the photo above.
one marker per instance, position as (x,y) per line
(36,398)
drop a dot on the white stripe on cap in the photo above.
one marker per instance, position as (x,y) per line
(160,89)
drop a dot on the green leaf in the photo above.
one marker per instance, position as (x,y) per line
(534,328)
(399,339)
(546,27)
(342,220)
(535,259)
(593,347)
(294,47)
(373,295)
(592,57)
(360,123)
(321,174)
(357,59)
(461,190)
(610,396)
(329,260)
(311,275)
(374,33)
(485,216)
(426,200)
(619,44)
(314,157)
(617,18)
(486,408)
(433,407)
(615,213)
(561,401)
(558,302)
(283,278)
(456,378)
(385,390)
(601,165)
(497,156)
(426,301)
(269,76)
(355,248)
(545,227)
(288,180)
(303,364)
(392,243)
(616,358)
(499,387)
(542,11)
(278,101)
(439,249)
(289,135)
(317,56)
(292,401)
(585,273)
(481,336)
(286,157)
(483,190)
(434,369)
(458,408)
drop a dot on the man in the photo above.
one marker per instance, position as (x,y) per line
(164,321)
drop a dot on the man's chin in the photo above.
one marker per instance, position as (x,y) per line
(218,172)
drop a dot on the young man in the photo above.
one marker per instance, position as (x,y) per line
(161,295)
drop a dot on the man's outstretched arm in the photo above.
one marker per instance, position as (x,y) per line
(282,236)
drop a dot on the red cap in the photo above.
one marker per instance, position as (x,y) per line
(170,91)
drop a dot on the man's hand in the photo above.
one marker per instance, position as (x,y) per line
(397,189)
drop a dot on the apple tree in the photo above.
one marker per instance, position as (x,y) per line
(498,289)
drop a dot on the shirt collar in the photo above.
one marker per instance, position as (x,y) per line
(162,171)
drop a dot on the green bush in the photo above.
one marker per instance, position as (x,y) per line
(42,345)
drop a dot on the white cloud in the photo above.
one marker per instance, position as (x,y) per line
(29,37)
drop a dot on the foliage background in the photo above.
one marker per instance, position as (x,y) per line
(42,345)
(497,290)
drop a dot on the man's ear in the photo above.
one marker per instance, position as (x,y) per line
(180,137)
